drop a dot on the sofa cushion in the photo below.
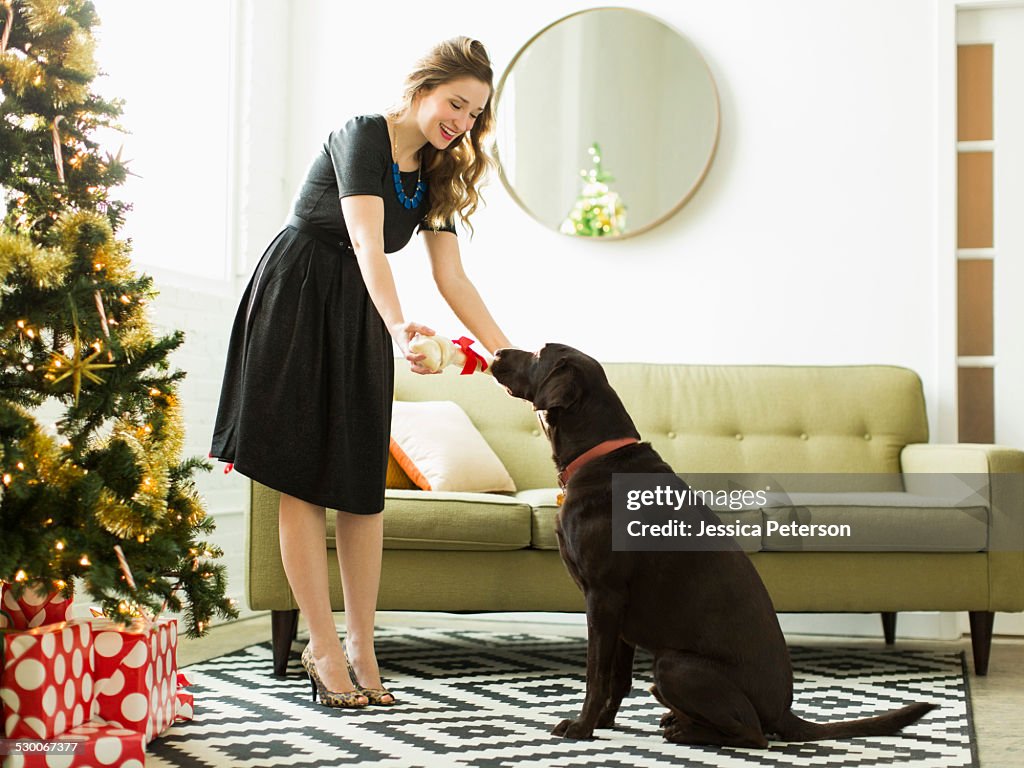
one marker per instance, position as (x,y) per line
(543,504)
(440,449)
(396,477)
(879,522)
(775,419)
(509,425)
(449,520)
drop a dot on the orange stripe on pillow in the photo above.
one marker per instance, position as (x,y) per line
(409,467)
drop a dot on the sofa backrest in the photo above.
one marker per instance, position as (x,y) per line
(712,419)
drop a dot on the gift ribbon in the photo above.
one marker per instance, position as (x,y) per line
(472,356)
(184,699)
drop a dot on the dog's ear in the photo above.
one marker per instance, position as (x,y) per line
(559,389)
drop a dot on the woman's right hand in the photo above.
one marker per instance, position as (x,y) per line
(403,333)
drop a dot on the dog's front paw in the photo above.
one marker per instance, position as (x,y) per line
(573,729)
(607,718)
(668,719)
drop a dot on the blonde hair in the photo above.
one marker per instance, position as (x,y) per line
(453,174)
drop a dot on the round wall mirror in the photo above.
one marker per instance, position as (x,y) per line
(607,123)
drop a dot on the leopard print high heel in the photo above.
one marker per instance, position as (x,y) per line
(348,699)
(376,696)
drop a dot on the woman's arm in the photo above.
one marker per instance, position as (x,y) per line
(459,291)
(364,218)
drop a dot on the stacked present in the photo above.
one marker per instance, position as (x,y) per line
(113,687)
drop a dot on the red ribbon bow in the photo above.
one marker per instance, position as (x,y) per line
(472,356)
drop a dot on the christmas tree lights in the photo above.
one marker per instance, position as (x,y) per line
(107,485)
(598,211)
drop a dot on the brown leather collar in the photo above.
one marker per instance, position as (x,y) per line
(597,451)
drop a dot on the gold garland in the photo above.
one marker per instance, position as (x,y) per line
(47,267)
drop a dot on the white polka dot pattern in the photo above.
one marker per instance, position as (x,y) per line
(107,745)
(136,683)
(123,680)
(47,675)
(32,609)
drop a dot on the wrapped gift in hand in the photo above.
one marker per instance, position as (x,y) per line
(440,352)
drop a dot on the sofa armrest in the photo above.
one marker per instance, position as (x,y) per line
(1004,468)
(962,458)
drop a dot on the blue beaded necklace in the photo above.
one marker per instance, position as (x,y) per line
(421,186)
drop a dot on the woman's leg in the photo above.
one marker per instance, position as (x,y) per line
(303,532)
(360,542)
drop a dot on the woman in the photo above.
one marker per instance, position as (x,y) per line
(306,402)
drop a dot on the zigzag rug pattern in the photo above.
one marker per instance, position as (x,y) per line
(489,700)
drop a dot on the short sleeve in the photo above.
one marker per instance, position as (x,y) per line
(448,226)
(360,155)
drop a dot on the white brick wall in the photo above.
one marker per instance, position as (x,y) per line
(205,311)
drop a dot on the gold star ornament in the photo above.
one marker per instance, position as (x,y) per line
(62,366)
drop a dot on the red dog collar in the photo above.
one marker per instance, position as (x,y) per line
(597,451)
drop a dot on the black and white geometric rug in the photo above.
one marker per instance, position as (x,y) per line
(490,700)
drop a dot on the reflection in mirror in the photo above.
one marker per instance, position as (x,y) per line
(607,123)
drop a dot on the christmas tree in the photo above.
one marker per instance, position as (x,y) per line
(598,211)
(103,483)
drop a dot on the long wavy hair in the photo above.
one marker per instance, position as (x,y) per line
(453,174)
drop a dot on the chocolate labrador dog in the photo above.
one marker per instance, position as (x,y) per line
(721,665)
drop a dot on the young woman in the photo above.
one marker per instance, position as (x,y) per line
(305,406)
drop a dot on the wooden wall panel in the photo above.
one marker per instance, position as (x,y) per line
(974,92)
(974,307)
(977,405)
(974,200)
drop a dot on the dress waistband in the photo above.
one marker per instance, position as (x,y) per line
(318,233)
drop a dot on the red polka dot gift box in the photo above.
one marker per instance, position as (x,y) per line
(47,679)
(136,674)
(99,746)
(32,609)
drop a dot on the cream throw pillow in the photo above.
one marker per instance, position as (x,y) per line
(440,449)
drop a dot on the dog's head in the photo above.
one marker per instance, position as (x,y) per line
(580,407)
(556,377)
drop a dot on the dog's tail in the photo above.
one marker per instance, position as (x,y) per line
(793,728)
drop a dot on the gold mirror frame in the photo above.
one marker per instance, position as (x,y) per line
(700,162)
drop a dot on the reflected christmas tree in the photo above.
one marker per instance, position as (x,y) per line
(598,212)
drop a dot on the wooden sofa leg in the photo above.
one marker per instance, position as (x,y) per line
(889,627)
(284,626)
(981,639)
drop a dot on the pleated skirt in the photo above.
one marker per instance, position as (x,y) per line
(305,406)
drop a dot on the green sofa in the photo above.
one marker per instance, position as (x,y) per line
(476,552)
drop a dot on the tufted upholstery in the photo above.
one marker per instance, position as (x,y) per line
(717,418)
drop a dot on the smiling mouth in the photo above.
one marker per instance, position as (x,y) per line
(446,134)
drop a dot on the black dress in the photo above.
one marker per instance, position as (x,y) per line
(305,407)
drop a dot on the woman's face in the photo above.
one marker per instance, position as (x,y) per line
(450,110)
